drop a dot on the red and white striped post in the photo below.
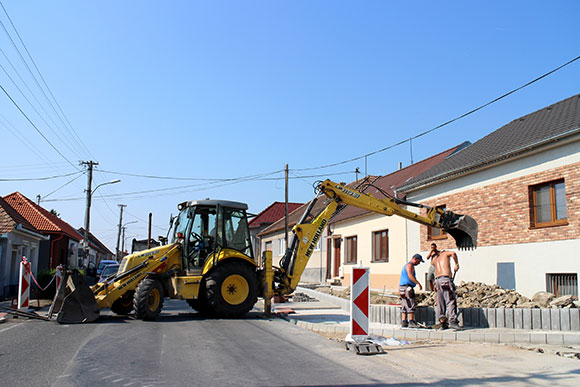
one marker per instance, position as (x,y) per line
(59,274)
(24,285)
(360,301)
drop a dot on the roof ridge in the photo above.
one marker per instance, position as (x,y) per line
(35,207)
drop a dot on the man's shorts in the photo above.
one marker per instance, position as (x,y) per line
(407,294)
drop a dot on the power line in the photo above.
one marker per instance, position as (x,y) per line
(34,126)
(445,123)
(44,178)
(62,186)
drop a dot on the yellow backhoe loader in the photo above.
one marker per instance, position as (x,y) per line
(210,261)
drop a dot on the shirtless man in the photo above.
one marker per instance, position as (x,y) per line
(431,274)
(446,298)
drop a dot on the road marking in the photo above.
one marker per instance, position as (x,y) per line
(5,329)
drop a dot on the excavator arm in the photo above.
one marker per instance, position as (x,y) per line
(307,234)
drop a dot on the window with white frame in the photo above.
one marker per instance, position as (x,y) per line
(281,246)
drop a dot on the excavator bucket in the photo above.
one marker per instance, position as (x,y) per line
(74,301)
(462,228)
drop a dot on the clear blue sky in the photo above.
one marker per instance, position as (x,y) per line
(225,89)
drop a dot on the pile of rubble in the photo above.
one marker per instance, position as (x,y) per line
(480,295)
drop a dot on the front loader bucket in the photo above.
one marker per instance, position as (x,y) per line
(74,301)
(462,228)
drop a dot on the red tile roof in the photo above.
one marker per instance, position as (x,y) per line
(38,217)
(9,219)
(272,213)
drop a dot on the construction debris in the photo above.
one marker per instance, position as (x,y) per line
(303,297)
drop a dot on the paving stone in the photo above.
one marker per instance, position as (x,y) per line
(449,335)
(393,313)
(556,325)
(571,338)
(555,338)
(546,323)
(491,338)
(477,337)
(388,332)
(410,334)
(431,315)
(423,334)
(436,335)
(466,317)
(463,336)
(507,338)
(491,317)
(536,319)
(538,338)
(522,337)
(482,313)
(509,318)
(519,319)
(527,318)
(398,317)
(575,319)
(500,317)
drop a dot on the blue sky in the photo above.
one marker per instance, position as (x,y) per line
(226,89)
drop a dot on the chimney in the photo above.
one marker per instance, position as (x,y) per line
(400,165)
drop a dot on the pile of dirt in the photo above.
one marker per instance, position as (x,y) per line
(380,298)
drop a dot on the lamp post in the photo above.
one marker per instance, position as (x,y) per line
(124,227)
(88,209)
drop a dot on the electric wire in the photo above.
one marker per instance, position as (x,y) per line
(62,186)
(446,122)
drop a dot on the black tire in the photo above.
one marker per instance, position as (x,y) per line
(123,305)
(231,289)
(148,300)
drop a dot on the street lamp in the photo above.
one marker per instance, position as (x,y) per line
(88,210)
(123,238)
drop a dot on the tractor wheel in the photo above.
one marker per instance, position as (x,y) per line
(148,299)
(123,305)
(231,289)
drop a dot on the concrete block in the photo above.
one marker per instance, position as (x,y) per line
(466,317)
(554,338)
(507,338)
(571,338)
(536,319)
(575,319)
(491,317)
(436,335)
(393,313)
(384,313)
(527,317)
(423,334)
(519,319)
(500,318)
(431,318)
(491,338)
(483,321)
(546,323)
(522,337)
(449,335)
(463,336)
(398,317)
(555,319)
(388,332)
(477,337)
(460,318)
(410,334)
(565,320)
(475,315)
(538,338)
(509,318)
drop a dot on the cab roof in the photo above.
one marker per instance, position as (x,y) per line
(213,203)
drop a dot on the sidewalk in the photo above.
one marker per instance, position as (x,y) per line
(325,316)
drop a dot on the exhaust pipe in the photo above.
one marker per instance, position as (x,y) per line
(462,228)
(74,302)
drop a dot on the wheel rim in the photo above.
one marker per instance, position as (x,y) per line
(235,289)
(153,299)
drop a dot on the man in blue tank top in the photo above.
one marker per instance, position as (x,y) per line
(407,284)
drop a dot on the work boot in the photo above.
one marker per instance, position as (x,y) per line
(404,324)
(413,324)
(455,326)
(440,326)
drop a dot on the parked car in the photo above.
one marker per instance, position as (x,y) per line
(109,271)
(104,263)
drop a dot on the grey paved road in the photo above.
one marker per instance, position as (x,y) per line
(184,349)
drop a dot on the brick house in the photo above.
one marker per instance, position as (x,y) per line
(359,236)
(64,239)
(521,183)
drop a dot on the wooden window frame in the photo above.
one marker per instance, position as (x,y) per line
(350,251)
(442,234)
(533,207)
(386,249)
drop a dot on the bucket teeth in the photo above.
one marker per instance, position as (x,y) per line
(462,228)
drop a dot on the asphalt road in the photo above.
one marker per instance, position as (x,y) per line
(183,349)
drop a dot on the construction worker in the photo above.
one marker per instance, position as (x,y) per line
(445,295)
(407,283)
(431,274)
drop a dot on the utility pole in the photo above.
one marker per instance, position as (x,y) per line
(149,233)
(89,191)
(286,208)
(120,226)
(123,243)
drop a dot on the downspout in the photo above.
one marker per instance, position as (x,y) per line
(52,249)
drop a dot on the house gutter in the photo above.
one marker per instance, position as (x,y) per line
(443,177)
(52,247)
(24,231)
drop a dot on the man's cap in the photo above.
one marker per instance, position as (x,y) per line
(419,257)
